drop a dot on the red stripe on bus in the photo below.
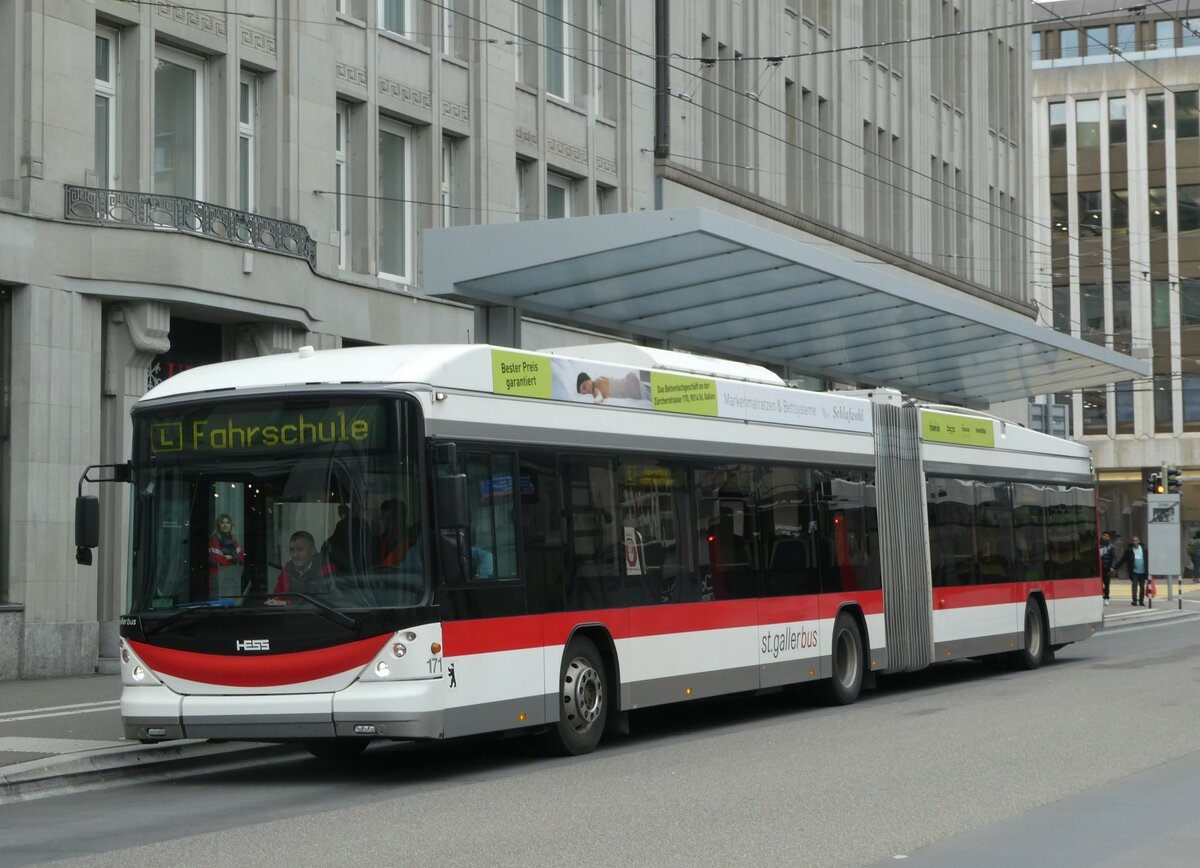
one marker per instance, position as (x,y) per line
(534,631)
(966,596)
(253,670)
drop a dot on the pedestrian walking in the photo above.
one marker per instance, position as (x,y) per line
(1193,550)
(1138,562)
(1108,556)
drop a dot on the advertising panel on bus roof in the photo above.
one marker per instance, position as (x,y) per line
(555,378)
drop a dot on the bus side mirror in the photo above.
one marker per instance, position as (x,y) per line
(87,527)
(453,518)
(452,502)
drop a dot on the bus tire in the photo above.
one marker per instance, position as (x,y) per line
(1034,653)
(847,661)
(336,749)
(582,701)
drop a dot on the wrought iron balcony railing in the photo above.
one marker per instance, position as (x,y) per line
(175,213)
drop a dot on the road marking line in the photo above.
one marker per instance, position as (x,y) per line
(19,744)
(57,707)
(110,706)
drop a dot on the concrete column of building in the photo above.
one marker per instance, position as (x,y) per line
(54,433)
(135,332)
(498,324)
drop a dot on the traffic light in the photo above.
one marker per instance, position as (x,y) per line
(1173,483)
(1155,484)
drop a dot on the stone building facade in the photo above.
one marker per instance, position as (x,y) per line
(1116,148)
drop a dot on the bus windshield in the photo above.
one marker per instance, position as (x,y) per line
(288,501)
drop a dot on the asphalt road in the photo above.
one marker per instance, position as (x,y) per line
(1078,763)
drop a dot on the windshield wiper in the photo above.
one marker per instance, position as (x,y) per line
(186,609)
(325,610)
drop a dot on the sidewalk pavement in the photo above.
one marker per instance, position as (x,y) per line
(65,733)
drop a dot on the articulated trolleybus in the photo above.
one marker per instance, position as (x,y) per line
(426,542)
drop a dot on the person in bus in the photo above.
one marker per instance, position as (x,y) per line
(394,542)
(1108,556)
(347,548)
(305,572)
(224,550)
(1138,561)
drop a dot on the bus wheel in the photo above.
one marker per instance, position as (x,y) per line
(847,661)
(336,749)
(1034,653)
(583,701)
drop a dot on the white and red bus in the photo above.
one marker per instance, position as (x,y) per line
(425,542)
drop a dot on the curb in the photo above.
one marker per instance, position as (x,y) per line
(88,769)
(1155,615)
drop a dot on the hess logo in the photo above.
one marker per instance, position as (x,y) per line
(253,644)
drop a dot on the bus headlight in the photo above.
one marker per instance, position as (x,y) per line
(139,674)
(399,649)
(382,669)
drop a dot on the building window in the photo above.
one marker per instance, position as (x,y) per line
(247,120)
(1119,203)
(1095,411)
(178,124)
(1090,212)
(395,211)
(1164,34)
(1069,41)
(1116,121)
(1091,312)
(1188,200)
(454,29)
(1058,125)
(1156,117)
(1035,43)
(1125,407)
(1087,123)
(1127,37)
(341,181)
(1097,41)
(558,196)
(394,16)
(1187,114)
(106,106)
(606,58)
(606,199)
(558,43)
(526,190)
(1059,215)
(1061,300)
(449,179)
(1191,32)
(1158,211)
(1162,403)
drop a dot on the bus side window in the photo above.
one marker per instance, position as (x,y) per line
(490,495)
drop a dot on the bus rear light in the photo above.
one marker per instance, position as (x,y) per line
(139,674)
(399,649)
(435,648)
(382,669)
